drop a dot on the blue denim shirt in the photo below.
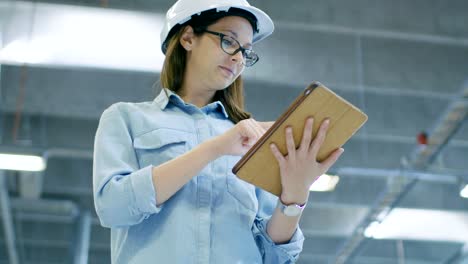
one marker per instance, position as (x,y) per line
(214,218)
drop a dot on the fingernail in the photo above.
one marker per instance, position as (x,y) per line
(289,129)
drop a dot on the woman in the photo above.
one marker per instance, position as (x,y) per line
(162,169)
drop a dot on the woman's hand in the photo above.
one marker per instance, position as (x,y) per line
(299,168)
(240,138)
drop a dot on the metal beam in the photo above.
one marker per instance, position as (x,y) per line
(447,126)
(385,34)
(50,210)
(82,239)
(46,206)
(2,36)
(323,258)
(58,245)
(30,184)
(460,257)
(388,138)
(459,111)
(447,178)
(8,220)
(400,185)
(396,188)
(54,152)
(53,210)
(69,153)
(349,87)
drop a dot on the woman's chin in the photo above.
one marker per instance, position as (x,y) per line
(224,83)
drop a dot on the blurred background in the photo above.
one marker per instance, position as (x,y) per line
(396,195)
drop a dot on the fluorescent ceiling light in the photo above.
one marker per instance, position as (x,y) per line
(325,183)
(64,35)
(21,162)
(21,52)
(372,231)
(341,220)
(404,223)
(464,192)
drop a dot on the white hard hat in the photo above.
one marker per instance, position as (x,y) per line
(183,10)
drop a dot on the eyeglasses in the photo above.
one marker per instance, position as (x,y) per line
(231,46)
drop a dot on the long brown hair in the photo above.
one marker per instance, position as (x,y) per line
(173,71)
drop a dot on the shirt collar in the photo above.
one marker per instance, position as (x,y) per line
(166,96)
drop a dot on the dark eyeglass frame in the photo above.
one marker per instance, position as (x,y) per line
(241,49)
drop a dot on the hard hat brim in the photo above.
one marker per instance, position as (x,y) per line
(265,25)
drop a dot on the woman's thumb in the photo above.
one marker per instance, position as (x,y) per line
(266,125)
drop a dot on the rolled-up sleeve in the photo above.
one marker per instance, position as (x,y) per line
(271,252)
(123,192)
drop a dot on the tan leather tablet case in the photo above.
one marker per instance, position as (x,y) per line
(259,167)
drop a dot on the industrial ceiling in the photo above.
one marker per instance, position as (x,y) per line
(405,63)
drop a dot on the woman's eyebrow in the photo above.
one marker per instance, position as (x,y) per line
(237,37)
(232,32)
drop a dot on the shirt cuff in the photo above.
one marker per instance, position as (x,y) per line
(143,191)
(287,252)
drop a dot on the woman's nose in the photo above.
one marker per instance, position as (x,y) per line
(238,57)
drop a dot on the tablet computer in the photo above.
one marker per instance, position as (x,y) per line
(259,166)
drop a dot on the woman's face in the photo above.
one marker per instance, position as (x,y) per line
(216,68)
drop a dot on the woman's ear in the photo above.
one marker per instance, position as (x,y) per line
(188,38)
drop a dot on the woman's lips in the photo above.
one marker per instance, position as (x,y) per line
(227,70)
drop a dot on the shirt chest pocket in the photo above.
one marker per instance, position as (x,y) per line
(159,146)
(240,190)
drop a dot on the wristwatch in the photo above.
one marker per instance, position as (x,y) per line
(291,209)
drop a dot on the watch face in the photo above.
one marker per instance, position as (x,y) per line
(292,210)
